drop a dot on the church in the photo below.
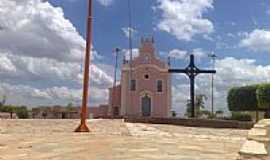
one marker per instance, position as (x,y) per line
(145,86)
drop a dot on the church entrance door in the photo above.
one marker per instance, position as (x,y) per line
(146,106)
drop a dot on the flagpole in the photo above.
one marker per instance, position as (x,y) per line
(83,126)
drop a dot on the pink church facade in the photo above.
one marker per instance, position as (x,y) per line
(145,89)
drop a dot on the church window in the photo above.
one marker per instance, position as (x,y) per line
(146,76)
(133,85)
(159,85)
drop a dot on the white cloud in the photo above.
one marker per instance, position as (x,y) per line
(235,72)
(242,71)
(105,2)
(36,29)
(40,56)
(126,52)
(184,18)
(178,54)
(230,72)
(199,53)
(102,2)
(6,66)
(183,54)
(126,31)
(31,96)
(230,35)
(258,40)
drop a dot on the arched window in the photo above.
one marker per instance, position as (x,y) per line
(159,86)
(133,85)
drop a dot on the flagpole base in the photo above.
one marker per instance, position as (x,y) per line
(82,128)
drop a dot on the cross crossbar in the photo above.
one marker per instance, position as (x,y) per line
(192,71)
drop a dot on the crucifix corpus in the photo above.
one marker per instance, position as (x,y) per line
(191,71)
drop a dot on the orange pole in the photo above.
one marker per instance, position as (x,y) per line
(83,126)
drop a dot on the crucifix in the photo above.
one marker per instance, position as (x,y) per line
(191,71)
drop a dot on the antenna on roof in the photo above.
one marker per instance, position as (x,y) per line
(130,30)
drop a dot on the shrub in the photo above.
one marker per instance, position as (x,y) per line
(241,116)
(22,112)
(242,98)
(263,96)
(174,114)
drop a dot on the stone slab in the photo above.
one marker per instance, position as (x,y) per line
(253,148)
(258,132)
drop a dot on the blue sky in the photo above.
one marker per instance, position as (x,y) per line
(42,44)
(228,19)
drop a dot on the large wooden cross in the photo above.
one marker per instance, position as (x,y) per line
(191,71)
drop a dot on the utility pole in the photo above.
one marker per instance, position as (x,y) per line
(116,51)
(83,126)
(130,57)
(113,91)
(213,58)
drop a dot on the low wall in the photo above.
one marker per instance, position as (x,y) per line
(194,122)
(108,117)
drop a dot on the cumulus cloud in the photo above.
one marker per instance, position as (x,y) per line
(37,29)
(183,54)
(105,2)
(184,18)
(126,30)
(199,53)
(230,72)
(237,72)
(178,54)
(40,55)
(126,52)
(258,40)
(31,96)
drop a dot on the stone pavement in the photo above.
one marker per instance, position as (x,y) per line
(257,146)
(115,140)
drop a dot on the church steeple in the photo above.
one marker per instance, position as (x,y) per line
(147,46)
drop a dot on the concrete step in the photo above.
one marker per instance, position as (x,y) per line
(257,145)
(259,134)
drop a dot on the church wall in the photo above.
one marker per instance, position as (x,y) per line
(160,101)
(147,63)
(124,92)
(114,98)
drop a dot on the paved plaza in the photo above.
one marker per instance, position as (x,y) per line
(115,140)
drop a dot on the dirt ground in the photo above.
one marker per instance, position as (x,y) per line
(115,140)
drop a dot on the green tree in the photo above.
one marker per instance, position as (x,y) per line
(263,97)
(22,112)
(3,102)
(243,98)
(188,108)
(70,107)
(219,112)
(241,116)
(199,105)
(174,114)
(10,109)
